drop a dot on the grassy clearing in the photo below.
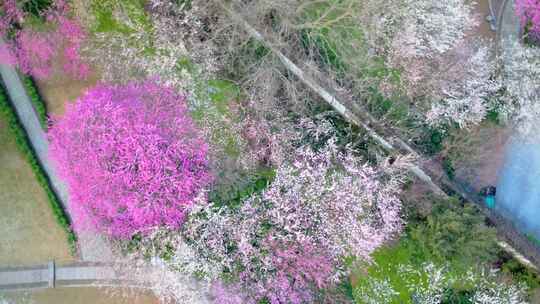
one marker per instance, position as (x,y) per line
(19,138)
(106,21)
(30,234)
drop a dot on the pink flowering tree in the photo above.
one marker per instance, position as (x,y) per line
(33,51)
(131,157)
(529,14)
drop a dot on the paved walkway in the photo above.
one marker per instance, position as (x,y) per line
(508,27)
(494,9)
(91,250)
(50,276)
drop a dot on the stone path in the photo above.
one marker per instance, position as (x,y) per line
(93,250)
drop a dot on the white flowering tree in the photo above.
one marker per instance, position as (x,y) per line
(463,85)
(417,28)
(291,240)
(287,243)
(522,81)
(447,71)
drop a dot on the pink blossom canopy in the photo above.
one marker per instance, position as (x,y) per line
(131,157)
(33,50)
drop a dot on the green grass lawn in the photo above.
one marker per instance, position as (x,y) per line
(30,234)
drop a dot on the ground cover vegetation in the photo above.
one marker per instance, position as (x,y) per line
(443,257)
(202,157)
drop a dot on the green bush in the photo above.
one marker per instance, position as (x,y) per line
(455,234)
(533,239)
(37,101)
(448,167)
(327,51)
(36,7)
(8,114)
(431,140)
(493,116)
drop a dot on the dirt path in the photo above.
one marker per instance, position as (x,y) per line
(483,164)
(484,29)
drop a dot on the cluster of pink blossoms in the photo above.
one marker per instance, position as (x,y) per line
(529,14)
(131,156)
(33,51)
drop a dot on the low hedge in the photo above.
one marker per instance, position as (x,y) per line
(8,114)
(36,100)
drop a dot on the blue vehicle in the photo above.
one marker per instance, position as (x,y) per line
(489,193)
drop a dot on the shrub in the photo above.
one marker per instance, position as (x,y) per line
(36,7)
(8,114)
(518,271)
(454,234)
(131,156)
(430,283)
(448,167)
(431,140)
(233,195)
(37,101)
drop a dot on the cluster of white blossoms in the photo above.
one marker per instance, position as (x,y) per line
(467,86)
(430,283)
(522,79)
(446,70)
